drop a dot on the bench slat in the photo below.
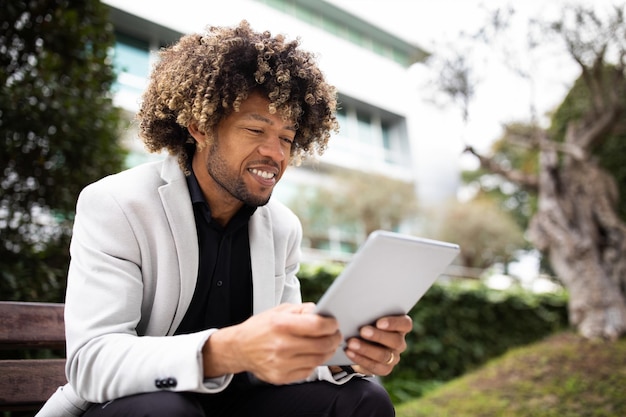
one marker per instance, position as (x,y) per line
(29,382)
(25,324)
(25,384)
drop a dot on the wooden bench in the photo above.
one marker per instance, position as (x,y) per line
(32,330)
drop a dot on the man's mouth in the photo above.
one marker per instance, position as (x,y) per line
(263,174)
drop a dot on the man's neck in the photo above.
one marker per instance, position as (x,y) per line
(223,205)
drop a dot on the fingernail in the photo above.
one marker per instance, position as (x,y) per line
(383,324)
(354,345)
(367,332)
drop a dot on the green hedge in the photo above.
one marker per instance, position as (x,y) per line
(457,327)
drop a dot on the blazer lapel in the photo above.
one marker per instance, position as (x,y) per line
(179,211)
(262,260)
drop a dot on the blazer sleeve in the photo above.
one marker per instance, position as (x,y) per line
(108,299)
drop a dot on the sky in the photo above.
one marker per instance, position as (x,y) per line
(501,97)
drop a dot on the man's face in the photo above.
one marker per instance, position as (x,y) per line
(250,152)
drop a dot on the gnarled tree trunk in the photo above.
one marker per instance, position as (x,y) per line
(577,226)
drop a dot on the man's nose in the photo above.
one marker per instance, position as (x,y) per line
(274,148)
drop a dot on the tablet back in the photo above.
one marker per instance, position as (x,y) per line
(387,276)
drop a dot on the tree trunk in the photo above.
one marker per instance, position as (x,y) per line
(577,226)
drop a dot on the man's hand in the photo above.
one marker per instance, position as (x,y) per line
(378,348)
(279,346)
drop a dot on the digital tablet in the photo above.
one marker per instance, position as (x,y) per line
(387,276)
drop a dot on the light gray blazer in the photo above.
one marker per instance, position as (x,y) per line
(133,273)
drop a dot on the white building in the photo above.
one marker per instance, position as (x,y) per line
(380,115)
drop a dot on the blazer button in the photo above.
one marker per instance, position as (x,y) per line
(165,383)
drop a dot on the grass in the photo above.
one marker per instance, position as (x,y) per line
(563,375)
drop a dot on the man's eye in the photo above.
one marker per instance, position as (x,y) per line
(288,140)
(255,131)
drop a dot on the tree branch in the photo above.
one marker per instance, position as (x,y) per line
(527,181)
(545,144)
(587,134)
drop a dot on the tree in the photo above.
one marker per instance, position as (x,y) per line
(576,223)
(360,202)
(515,200)
(485,233)
(611,153)
(59,128)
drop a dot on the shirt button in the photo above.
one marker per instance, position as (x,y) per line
(219,283)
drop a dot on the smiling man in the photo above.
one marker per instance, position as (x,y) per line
(182,295)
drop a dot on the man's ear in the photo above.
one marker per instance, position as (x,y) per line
(199,136)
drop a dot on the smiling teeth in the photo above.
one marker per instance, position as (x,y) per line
(263,174)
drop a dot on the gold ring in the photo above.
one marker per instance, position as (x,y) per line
(390,359)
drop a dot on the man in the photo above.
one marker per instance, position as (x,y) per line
(182,298)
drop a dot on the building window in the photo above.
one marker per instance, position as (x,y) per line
(131,60)
(368,133)
(387,141)
(342,119)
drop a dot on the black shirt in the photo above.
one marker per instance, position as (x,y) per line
(223,293)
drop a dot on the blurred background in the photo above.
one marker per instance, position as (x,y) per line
(495,125)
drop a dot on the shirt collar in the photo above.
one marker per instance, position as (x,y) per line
(194,188)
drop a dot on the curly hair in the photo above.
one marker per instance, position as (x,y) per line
(204,77)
